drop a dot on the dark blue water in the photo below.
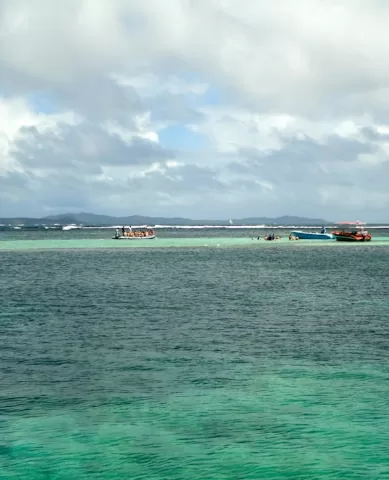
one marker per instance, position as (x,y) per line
(195,364)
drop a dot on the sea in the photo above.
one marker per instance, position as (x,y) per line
(200,355)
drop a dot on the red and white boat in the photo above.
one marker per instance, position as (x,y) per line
(351,232)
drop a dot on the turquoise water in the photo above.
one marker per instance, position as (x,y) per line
(102,239)
(193,363)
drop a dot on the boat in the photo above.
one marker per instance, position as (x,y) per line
(133,237)
(144,233)
(301,235)
(355,233)
(72,226)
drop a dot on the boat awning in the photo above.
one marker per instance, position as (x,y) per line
(351,223)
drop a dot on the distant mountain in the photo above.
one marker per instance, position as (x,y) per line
(106,220)
(30,222)
(91,219)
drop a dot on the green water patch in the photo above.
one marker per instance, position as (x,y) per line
(195,242)
(297,421)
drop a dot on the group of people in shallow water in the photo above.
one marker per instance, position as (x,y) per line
(136,233)
(292,237)
(271,236)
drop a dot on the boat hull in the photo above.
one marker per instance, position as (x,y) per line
(352,238)
(312,235)
(150,237)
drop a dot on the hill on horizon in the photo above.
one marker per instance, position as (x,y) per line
(92,219)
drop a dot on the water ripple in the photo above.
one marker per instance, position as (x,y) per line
(196,364)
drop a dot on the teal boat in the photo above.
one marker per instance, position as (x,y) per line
(301,235)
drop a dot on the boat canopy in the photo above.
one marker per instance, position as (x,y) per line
(357,222)
(135,227)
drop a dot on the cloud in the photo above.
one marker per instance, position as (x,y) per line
(194,108)
(85,147)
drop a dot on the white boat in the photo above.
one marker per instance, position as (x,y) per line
(139,234)
(71,227)
(148,237)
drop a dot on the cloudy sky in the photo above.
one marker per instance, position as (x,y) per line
(196,108)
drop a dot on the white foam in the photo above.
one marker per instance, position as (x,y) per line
(214,227)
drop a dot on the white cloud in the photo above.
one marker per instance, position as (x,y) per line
(290,100)
(15,114)
(149,85)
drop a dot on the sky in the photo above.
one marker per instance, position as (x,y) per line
(195,108)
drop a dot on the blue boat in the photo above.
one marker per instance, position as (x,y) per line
(312,235)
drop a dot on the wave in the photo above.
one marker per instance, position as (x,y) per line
(226,227)
(177,227)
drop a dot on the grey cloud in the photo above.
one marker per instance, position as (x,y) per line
(303,160)
(14,179)
(305,64)
(62,191)
(333,149)
(372,135)
(99,99)
(173,108)
(309,178)
(83,148)
(304,58)
(144,151)
(60,43)
(62,195)
(16,194)
(187,179)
